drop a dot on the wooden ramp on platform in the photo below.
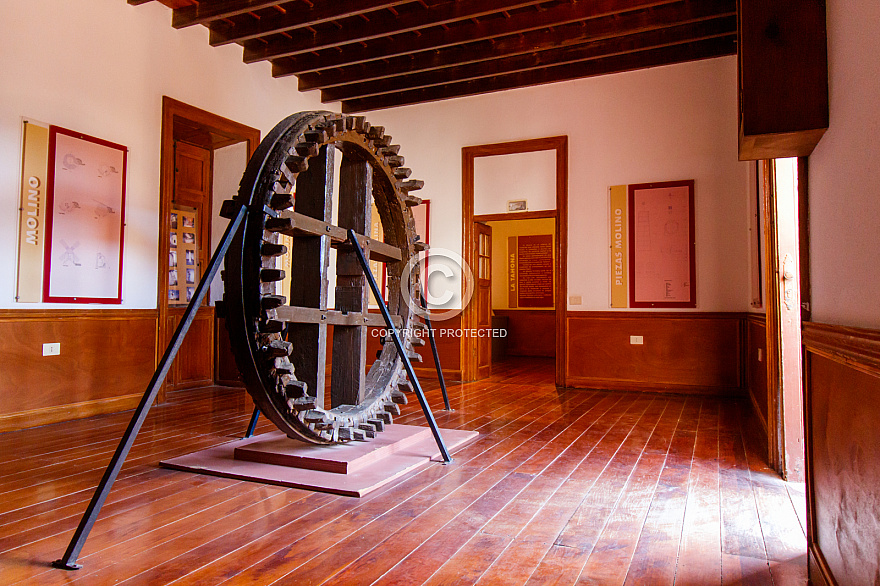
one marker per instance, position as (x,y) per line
(352,469)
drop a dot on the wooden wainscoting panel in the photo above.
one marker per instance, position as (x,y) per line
(446,334)
(755,415)
(107,357)
(685,352)
(843,452)
(194,365)
(757,366)
(530,332)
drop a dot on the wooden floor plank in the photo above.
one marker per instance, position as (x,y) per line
(613,552)
(576,541)
(656,552)
(699,558)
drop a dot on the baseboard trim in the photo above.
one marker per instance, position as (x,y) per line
(757,412)
(431,373)
(58,413)
(819,572)
(580,382)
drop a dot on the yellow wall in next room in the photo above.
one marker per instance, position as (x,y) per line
(501,231)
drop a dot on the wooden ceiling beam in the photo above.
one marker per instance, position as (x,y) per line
(206,11)
(379,25)
(665,37)
(441,39)
(576,33)
(716,47)
(223,32)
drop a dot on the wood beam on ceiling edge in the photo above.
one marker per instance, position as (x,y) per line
(707,49)
(666,37)
(467,32)
(379,25)
(576,33)
(223,32)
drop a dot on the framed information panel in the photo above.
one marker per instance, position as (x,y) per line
(84,219)
(662,265)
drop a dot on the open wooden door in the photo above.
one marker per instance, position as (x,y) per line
(190,241)
(484,299)
(190,139)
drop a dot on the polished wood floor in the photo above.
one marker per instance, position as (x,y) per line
(562,487)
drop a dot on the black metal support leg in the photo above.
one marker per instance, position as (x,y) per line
(401,351)
(436,356)
(253,423)
(68,561)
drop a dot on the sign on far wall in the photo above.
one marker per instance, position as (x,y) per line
(619,247)
(32,229)
(530,271)
(84,219)
(662,266)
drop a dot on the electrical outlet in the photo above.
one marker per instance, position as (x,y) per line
(636,339)
(575,300)
(53,349)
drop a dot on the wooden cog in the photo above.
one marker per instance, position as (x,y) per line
(281,344)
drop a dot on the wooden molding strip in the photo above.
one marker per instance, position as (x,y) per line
(758,415)
(856,347)
(585,382)
(15,315)
(757,318)
(431,373)
(533,215)
(687,314)
(819,572)
(56,413)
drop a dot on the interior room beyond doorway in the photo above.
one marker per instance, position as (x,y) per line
(526,310)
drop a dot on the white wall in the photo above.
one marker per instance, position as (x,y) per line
(229,163)
(501,178)
(101,67)
(661,124)
(845,173)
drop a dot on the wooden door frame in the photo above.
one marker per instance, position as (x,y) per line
(227,132)
(772,309)
(559,144)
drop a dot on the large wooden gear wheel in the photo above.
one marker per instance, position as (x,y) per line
(280,339)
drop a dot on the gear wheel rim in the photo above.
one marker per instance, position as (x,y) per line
(282,155)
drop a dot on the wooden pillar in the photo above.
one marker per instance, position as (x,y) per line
(350,342)
(310,263)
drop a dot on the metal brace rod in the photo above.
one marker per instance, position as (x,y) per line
(252,425)
(436,355)
(401,351)
(68,561)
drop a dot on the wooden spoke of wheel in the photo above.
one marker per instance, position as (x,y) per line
(281,344)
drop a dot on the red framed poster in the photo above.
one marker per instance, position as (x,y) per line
(85,207)
(662,265)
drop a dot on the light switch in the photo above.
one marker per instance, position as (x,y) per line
(636,339)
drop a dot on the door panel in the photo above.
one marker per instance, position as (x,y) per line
(484,299)
(194,365)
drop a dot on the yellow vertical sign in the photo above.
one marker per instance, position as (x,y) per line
(32,215)
(619,247)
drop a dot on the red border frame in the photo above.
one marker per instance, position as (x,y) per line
(632,246)
(54,131)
